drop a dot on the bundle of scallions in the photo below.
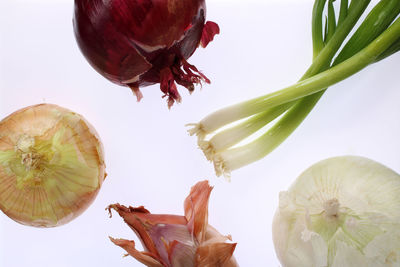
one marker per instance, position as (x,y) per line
(342,46)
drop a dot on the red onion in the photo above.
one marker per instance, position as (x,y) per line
(137,43)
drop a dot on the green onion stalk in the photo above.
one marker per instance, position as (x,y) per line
(336,56)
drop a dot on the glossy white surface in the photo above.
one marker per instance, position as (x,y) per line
(151,160)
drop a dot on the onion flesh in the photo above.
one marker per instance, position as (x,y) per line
(341,212)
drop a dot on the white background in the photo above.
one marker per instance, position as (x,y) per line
(151,160)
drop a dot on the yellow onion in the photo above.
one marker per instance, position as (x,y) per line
(51,165)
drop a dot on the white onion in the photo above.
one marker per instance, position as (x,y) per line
(341,212)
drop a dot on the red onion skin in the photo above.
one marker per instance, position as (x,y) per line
(137,43)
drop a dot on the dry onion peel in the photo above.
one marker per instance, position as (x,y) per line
(173,240)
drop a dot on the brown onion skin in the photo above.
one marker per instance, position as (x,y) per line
(174,240)
(130,42)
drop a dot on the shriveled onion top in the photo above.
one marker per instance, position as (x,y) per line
(51,165)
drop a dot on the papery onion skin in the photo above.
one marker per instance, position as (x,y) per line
(176,241)
(51,165)
(340,212)
(140,43)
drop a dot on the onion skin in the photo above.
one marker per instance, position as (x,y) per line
(144,42)
(175,241)
(51,165)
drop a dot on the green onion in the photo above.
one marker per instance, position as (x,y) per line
(377,37)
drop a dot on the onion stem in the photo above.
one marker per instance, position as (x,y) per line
(315,83)
(238,157)
(377,37)
(323,57)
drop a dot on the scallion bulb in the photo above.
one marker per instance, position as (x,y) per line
(341,212)
(51,165)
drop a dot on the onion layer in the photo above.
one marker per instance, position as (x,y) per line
(51,165)
(139,43)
